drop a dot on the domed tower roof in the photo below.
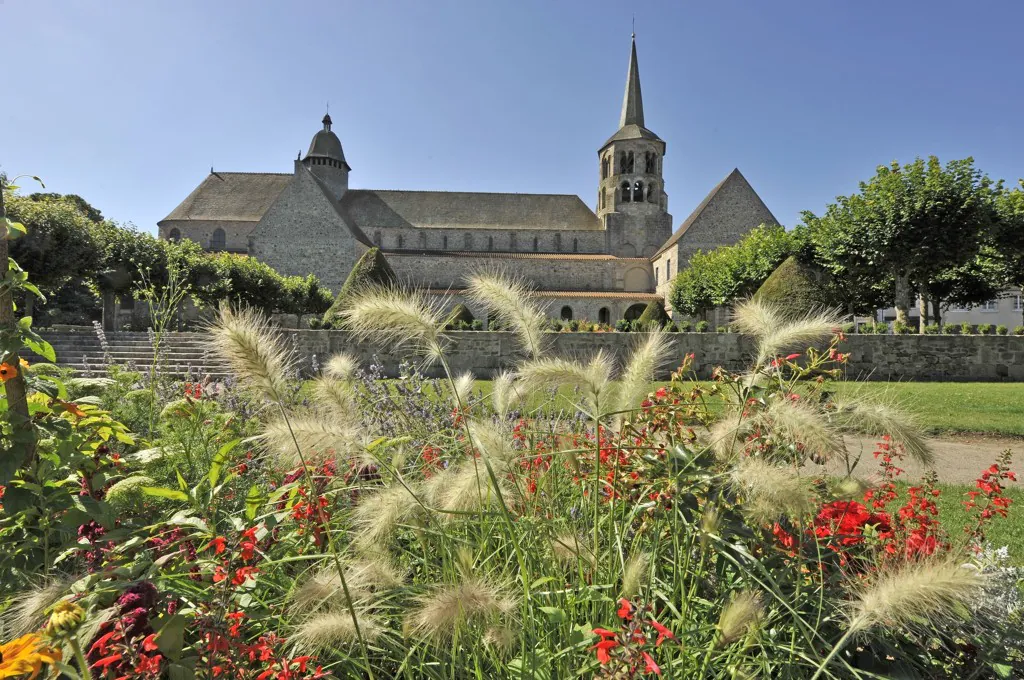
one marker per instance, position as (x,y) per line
(326,144)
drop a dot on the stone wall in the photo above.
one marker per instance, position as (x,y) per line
(872,357)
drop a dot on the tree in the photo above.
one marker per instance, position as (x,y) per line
(908,229)
(726,274)
(86,208)
(459,315)
(370,270)
(654,315)
(796,288)
(59,245)
(1008,236)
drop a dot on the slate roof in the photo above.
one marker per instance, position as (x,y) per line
(631,122)
(231,196)
(468,210)
(734,176)
(614,294)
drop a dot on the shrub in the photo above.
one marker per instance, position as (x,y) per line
(476,325)
(950,329)
(932,329)
(460,317)
(702,326)
(370,270)
(874,328)
(721,329)
(653,314)
(623,326)
(848,327)
(1018,330)
(901,328)
(984,329)
(672,327)
(966,329)
(794,287)
(1001,330)
(684,326)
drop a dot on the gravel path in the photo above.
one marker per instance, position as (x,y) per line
(958,460)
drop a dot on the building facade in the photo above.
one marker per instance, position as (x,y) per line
(602,263)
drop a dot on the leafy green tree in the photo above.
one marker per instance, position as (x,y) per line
(370,270)
(1008,236)
(305,295)
(796,288)
(726,274)
(86,208)
(59,245)
(654,315)
(908,229)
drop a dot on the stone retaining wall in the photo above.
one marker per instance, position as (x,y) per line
(872,357)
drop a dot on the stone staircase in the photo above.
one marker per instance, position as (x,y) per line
(181,354)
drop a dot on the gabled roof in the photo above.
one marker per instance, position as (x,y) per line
(231,196)
(371,208)
(734,179)
(504,255)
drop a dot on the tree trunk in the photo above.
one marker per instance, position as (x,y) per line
(922,311)
(902,298)
(17,394)
(937,312)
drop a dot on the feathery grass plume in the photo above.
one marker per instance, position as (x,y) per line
(756,317)
(634,574)
(337,396)
(920,594)
(316,437)
(473,602)
(775,332)
(502,638)
(376,517)
(490,441)
(399,318)
(27,610)
(727,435)
(876,418)
(467,488)
(795,421)
(510,301)
(592,378)
(341,366)
(365,577)
(770,491)
(569,548)
(741,615)
(255,351)
(333,629)
(463,389)
(505,393)
(647,357)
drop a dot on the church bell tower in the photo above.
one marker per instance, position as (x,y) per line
(631,199)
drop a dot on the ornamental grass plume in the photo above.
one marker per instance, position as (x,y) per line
(593,378)
(769,491)
(742,615)
(473,602)
(337,396)
(317,438)
(727,436)
(466,488)
(377,516)
(797,422)
(570,549)
(505,393)
(333,629)
(255,351)
(634,574)
(510,301)
(127,494)
(647,357)
(365,576)
(27,610)
(863,416)
(399,318)
(462,389)
(341,366)
(775,332)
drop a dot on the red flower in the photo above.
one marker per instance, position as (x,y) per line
(110,660)
(149,644)
(663,633)
(625,611)
(649,663)
(217,544)
(603,647)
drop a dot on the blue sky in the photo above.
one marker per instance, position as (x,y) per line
(130,103)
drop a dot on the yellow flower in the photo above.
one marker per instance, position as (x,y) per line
(24,364)
(25,656)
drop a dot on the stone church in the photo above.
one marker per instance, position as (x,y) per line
(601,264)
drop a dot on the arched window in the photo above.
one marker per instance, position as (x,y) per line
(376,238)
(604,316)
(638,192)
(634,311)
(600,200)
(490,243)
(174,235)
(629,162)
(445,242)
(566,313)
(218,241)
(604,168)
(468,241)
(535,244)
(575,245)
(625,192)
(558,243)
(622,162)
(651,163)
(652,193)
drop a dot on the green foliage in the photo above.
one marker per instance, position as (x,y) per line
(931,329)
(950,329)
(1018,330)
(901,328)
(623,326)
(83,206)
(721,329)
(984,329)
(460,318)
(654,314)
(1001,330)
(966,328)
(684,326)
(370,270)
(701,327)
(796,288)
(730,273)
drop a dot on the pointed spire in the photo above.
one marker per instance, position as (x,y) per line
(632,102)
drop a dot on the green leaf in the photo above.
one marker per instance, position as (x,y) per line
(218,461)
(42,348)
(171,636)
(541,581)
(554,614)
(182,484)
(161,492)
(253,501)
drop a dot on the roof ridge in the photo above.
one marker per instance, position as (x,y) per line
(701,207)
(240,172)
(478,193)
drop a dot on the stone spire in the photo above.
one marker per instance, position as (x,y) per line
(632,102)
